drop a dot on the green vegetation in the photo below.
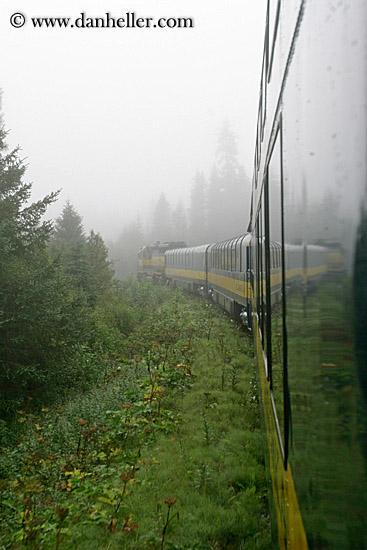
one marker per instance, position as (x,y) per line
(164,452)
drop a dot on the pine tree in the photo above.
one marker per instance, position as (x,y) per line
(227,153)
(124,251)
(20,228)
(229,190)
(198,209)
(69,245)
(69,226)
(100,273)
(215,207)
(161,220)
(40,319)
(179,223)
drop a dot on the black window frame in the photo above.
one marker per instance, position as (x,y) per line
(284,444)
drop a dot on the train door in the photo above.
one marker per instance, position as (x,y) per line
(249,281)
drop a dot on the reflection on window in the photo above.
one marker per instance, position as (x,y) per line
(275,301)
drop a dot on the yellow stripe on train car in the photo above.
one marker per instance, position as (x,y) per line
(291,531)
(236,286)
(155,261)
(186,273)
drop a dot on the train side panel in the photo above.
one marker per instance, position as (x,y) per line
(227,268)
(309,195)
(187,268)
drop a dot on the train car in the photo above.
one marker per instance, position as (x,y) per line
(228,282)
(310,315)
(187,268)
(151,259)
(218,271)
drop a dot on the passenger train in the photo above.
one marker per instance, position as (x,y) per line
(298,276)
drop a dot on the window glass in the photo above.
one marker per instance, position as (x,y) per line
(234,252)
(238,255)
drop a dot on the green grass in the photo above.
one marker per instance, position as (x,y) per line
(166,453)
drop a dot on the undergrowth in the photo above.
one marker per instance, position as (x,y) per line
(165,452)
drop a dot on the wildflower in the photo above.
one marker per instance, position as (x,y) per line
(170,501)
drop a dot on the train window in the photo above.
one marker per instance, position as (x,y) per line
(233,255)
(238,255)
(275,294)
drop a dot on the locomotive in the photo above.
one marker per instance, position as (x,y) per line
(298,276)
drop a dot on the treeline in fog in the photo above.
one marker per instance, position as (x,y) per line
(218,208)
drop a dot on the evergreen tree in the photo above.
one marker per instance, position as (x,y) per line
(229,190)
(161,220)
(124,252)
(215,207)
(197,209)
(100,272)
(179,223)
(69,245)
(227,153)
(40,319)
(20,229)
(69,226)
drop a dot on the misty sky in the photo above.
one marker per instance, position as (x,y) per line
(115,116)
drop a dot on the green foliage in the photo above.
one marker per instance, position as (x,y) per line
(20,229)
(41,319)
(123,464)
(100,273)
(84,259)
(59,310)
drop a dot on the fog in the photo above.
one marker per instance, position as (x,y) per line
(115,116)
